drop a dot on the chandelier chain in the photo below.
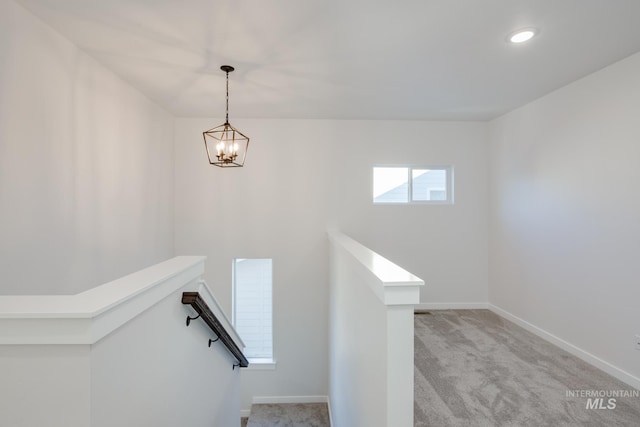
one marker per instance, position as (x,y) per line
(227,118)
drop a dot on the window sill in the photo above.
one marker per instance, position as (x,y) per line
(262,365)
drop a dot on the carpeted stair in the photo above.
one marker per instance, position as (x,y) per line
(288,415)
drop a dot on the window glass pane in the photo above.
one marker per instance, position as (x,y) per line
(429,184)
(390,185)
(253,306)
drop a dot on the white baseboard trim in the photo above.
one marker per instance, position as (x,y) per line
(244,413)
(289,399)
(452,306)
(607,367)
(329,408)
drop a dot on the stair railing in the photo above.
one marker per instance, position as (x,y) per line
(204,312)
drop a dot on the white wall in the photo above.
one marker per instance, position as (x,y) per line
(371,352)
(85,166)
(156,371)
(269,209)
(45,385)
(565,215)
(302,176)
(118,354)
(445,245)
(358,347)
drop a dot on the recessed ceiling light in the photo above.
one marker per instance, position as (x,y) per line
(522,35)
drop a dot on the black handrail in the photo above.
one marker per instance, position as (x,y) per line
(212,321)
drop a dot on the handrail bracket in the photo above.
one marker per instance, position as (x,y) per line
(200,306)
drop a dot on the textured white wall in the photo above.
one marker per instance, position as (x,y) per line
(85,166)
(565,214)
(302,176)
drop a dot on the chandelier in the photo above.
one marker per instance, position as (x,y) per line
(226,146)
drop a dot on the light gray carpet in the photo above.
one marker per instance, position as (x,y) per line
(289,415)
(474,368)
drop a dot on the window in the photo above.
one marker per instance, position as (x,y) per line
(253,307)
(407,184)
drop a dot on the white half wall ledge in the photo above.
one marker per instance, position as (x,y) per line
(392,284)
(87,317)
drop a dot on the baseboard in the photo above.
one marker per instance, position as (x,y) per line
(607,367)
(244,413)
(257,400)
(452,306)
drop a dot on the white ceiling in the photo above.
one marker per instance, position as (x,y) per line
(349,59)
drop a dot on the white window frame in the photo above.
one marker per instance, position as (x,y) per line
(255,363)
(410,201)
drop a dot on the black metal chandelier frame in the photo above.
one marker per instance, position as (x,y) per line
(226,146)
